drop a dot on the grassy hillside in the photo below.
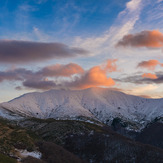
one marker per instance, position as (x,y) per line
(14,136)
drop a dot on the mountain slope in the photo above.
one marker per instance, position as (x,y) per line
(96,103)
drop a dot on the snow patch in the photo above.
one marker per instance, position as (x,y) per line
(25,153)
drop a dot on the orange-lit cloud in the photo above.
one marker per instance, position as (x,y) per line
(150,64)
(61,70)
(94,77)
(148,39)
(110,65)
(149,76)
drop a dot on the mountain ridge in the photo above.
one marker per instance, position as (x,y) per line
(102,104)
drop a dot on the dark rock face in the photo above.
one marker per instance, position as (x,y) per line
(152,134)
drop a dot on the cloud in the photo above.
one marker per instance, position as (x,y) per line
(148,78)
(57,70)
(133,4)
(148,39)
(158,1)
(149,75)
(16,74)
(145,96)
(18,88)
(8,76)
(14,51)
(44,78)
(94,77)
(40,1)
(61,70)
(110,65)
(26,8)
(144,89)
(39,84)
(150,64)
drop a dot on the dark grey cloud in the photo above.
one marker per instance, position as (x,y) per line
(8,76)
(40,84)
(138,79)
(14,51)
(17,74)
(38,79)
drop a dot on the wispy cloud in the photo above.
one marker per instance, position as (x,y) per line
(122,26)
(144,89)
(159,1)
(40,1)
(133,5)
(41,36)
(26,7)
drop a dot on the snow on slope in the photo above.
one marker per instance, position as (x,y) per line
(97,103)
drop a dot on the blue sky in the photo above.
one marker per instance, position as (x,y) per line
(61,18)
(95,26)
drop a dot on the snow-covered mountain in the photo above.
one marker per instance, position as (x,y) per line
(96,103)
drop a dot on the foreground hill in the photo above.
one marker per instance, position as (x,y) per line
(60,140)
(100,104)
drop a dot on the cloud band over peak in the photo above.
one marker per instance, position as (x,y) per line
(76,76)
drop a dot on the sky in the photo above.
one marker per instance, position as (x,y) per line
(74,44)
